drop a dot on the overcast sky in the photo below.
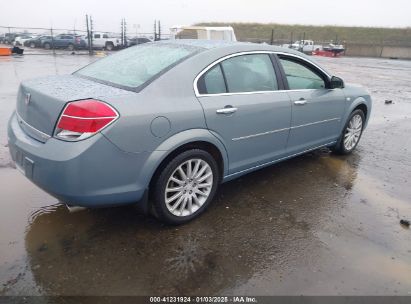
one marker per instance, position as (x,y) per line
(107,14)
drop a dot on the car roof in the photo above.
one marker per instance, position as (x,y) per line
(232,45)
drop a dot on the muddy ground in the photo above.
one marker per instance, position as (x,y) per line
(318,224)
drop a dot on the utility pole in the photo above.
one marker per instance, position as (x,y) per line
(155,30)
(89,38)
(123,32)
(272,37)
(303,42)
(52,41)
(159,30)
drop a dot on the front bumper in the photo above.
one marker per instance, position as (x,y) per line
(88,173)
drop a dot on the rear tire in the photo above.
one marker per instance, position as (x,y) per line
(109,46)
(351,134)
(70,47)
(32,45)
(185,187)
(47,46)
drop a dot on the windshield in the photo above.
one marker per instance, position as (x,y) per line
(135,66)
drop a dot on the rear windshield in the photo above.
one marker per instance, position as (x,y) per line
(135,66)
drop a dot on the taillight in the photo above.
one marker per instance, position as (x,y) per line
(84,118)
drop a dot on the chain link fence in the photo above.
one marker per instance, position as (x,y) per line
(391,43)
(42,40)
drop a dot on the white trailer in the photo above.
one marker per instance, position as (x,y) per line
(203,32)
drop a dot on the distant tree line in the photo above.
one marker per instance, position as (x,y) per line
(258,32)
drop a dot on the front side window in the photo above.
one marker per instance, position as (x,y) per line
(249,73)
(300,77)
(135,66)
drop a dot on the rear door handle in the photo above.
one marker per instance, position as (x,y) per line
(300,102)
(227,110)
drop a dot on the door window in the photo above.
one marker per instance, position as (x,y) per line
(249,73)
(97,36)
(244,73)
(301,77)
(214,81)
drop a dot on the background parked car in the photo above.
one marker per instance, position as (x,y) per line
(36,41)
(9,37)
(138,40)
(65,41)
(22,38)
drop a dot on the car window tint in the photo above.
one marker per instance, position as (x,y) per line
(97,36)
(133,67)
(105,36)
(300,77)
(248,73)
(214,81)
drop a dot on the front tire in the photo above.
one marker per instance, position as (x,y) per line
(185,187)
(351,134)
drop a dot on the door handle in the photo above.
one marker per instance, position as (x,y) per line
(300,102)
(227,110)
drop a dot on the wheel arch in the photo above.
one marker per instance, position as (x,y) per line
(183,141)
(359,103)
(202,145)
(363,108)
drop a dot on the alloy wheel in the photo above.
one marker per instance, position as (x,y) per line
(188,187)
(353,132)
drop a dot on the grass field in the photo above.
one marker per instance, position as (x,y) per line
(258,32)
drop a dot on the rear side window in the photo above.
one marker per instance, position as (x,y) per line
(249,73)
(212,82)
(244,73)
(135,66)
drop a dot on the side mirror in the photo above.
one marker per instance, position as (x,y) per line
(336,83)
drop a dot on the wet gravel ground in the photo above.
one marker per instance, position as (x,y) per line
(318,224)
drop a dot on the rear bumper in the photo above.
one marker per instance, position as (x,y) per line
(88,173)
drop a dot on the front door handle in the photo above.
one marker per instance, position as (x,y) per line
(227,110)
(300,102)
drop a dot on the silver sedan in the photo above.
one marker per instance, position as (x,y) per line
(161,125)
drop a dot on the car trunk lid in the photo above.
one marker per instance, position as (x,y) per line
(41,101)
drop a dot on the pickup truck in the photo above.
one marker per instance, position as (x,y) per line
(104,41)
(305,46)
(65,41)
